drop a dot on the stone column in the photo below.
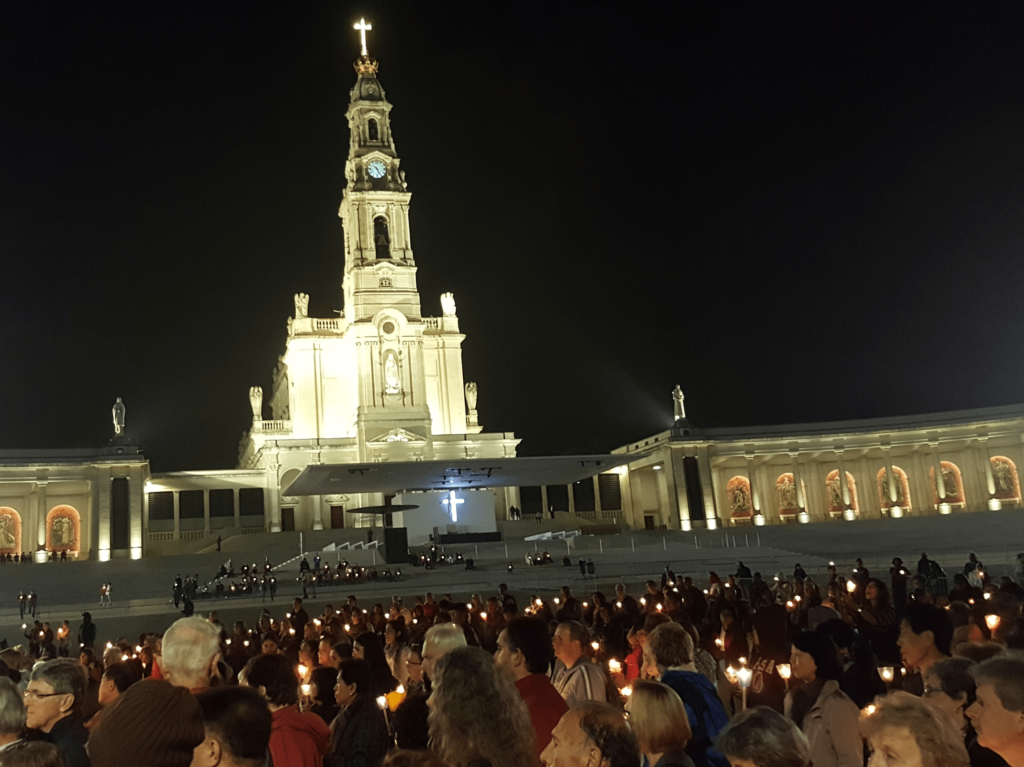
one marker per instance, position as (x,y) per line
(710,506)
(544,500)
(597,495)
(801,502)
(135,490)
(679,480)
(273,497)
(206,512)
(318,511)
(890,480)
(755,499)
(940,486)
(103,512)
(177,515)
(664,501)
(43,508)
(237,508)
(848,513)
(993,503)
(571,492)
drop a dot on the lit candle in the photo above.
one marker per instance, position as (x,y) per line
(869,709)
(657,607)
(614,666)
(382,702)
(886,672)
(595,645)
(851,586)
(347,627)
(483,616)
(992,621)
(246,643)
(619,605)
(785,670)
(626,691)
(744,675)
(557,600)
(305,689)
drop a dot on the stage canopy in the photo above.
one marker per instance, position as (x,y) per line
(466,474)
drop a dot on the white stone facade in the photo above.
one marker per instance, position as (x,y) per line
(687,478)
(381,382)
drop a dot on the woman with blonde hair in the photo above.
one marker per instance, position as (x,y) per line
(476,714)
(657,717)
(904,731)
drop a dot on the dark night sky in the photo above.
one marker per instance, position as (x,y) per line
(798,211)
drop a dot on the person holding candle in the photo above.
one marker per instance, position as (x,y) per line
(476,716)
(367,647)
(297,739)
(824,713)
(359,734)
(524,654)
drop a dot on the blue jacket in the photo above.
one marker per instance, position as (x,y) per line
(706,713)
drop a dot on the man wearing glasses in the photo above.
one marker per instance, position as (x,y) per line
(53,702)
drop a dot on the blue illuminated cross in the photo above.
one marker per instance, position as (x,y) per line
(452,502)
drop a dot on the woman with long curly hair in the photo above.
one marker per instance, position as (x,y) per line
(476,715)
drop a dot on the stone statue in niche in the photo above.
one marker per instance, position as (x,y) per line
(7,539)
(392,383)
(787,494)
(256,401)
(677,403)
(835,493)
(118,413)
(739,498)
(448,304)
(405,184)
(63,532)
(471,396)
(301,306)
(290,330)
(949,483)
(1004,476)
(897,484)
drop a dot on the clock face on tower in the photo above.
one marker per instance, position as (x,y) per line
(377,169)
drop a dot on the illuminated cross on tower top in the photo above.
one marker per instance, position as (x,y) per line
(363,28)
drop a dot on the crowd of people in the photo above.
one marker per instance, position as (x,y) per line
(899,671)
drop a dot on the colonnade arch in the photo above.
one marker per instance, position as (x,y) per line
(836,502)
(741,503)
(64,529)
(952,485)
(10,531)
(901,487)
(1007,482)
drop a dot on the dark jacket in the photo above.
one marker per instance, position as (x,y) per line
(70,736)
(359,736)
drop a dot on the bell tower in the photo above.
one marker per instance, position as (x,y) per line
(379,267)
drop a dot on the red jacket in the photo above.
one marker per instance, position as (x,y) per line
(544,703)
(298,739)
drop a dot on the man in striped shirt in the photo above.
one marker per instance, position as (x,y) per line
(576,678)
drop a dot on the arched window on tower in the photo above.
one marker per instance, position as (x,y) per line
(381,237)
(372,132)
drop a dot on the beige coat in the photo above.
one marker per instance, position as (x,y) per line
(832,728)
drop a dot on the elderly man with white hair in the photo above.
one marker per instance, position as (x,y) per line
(12,715)
(440,640)
(191,650)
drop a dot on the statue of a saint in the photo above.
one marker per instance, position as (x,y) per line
(118,412)
(787,494)
(835,494)
(301,306)
(448,304)
(392,384)
(7,539)
(63,532)
(256,401)
(471,396)
(677,403)
(949,483)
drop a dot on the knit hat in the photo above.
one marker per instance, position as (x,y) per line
(153,723)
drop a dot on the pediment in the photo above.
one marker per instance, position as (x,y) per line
(397,435)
